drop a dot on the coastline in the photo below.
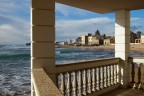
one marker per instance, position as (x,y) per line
(137,48)
(133,47)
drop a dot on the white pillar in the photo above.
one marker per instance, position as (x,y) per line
(122,43)
(43,36)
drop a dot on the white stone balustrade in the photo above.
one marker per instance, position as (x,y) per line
(137,77)
(87,80)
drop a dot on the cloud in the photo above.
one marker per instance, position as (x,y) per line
(71,22)
(137,24)
(14,7)
(135,28)
(14,21)
(14,31)
(66,29)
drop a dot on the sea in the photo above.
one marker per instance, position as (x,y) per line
(15,65)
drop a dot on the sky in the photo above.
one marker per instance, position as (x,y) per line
(70,22)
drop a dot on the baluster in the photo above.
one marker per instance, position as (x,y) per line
(118,73)
(62,83)
(105,76)
(108,71)
(79,84)
(84,82)
(143,81)
(101,77)
(115,74)
(93,79)
(97,79)
(139,77)
(133,73)
(139,73)
(111,74)
(89,80)
(74,83)
(68,85)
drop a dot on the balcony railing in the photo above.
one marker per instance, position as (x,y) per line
(89,77)
(137,75)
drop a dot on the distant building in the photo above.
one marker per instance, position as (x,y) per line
(137,40)
(89,40)
(71,42)
(89,34)
(109,41)
(66,43)
(95,40)
(84,40)
(142,39)
(112,40)
(78,41)
(133,36)
(61,43)
(101,41)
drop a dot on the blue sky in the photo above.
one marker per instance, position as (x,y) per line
(70,22)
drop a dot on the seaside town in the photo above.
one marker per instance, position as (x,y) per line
(98,40)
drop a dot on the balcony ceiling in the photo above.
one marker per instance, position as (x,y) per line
(104,6)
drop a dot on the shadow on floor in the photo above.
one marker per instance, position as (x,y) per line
(125,92)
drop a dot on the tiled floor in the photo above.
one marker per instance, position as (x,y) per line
(125,92)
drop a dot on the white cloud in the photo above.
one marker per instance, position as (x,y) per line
(15,27)
(73,27)
(14,7)
(137,24)
(66,29)
(14,21)
(14,31)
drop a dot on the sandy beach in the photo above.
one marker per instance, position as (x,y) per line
(133,47)
(137,48)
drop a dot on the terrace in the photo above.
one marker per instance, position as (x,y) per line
(89,78)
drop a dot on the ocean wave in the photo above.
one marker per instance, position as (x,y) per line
(14,85)
(14,56)
(11,49)
(57,52)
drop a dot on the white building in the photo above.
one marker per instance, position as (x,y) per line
(89,40)
(142,39)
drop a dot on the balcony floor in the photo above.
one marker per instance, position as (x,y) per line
(125,92)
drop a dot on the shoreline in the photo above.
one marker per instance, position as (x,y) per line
(133,47)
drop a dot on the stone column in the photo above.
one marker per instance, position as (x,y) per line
(43,36)
(122,43)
